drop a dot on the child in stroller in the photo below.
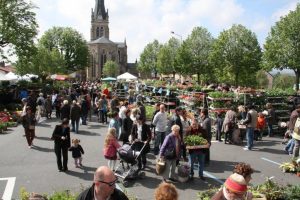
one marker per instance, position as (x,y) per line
(128,167)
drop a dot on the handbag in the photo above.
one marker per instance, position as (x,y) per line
(170,153)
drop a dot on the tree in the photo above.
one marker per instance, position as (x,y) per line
(194,58)
(110,68)
(283,81)
(148,58)
(166,57)
(282,47)
(43,63)
(70,44)
(18,28)
(237,55)
(262,79)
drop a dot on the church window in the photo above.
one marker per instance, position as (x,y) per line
(101,31)
(97,32)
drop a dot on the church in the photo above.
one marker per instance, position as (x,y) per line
(101,48)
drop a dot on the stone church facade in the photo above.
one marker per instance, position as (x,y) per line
(101,48)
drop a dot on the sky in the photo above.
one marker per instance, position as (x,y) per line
(142,21)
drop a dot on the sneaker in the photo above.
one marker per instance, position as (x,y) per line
(172,180)
(246,149)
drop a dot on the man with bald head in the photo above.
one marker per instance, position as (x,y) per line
(104,187)
(160,121)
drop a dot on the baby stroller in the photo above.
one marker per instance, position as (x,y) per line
(128,168)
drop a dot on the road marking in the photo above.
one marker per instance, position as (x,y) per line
(213,177)
(9,189)
(271,161)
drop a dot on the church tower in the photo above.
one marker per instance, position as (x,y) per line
(99,21)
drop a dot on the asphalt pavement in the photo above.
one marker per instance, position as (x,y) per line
(35,169)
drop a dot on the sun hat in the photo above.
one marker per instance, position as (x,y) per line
(236,183)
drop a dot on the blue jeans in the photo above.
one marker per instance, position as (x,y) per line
(84,118)
(75,125)
(159,139)
(290,146)
(200,157)
(270,130)
(250,137)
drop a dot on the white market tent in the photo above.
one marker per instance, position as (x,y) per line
(126,76)
(2,77)
(11,76)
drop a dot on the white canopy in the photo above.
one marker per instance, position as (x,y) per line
(11,76)
(2,77)
(126,76)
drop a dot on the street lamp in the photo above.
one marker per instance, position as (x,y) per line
(172,32)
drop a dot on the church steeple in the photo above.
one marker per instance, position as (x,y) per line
(99,12)
(100,21)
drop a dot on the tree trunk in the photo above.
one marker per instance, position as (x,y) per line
(297,72)
(236,79)
(198,77)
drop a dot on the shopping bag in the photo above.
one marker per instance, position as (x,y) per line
(160,166)
(296,134)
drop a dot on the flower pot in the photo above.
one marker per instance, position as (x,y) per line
(183,179)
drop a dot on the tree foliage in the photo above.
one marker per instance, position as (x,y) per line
(166,57)
(43,63)
(282,47)
(262,79)
(148,58)
(18,28)
(194,53)
(283,81)
(237,55)
(70,44)
(110,68)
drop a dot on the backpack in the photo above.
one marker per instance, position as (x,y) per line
(40,102)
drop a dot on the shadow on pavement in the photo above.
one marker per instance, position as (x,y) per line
(96,126)
(217,166)
(266,143)
(272,151)
(82,175)
(42,149)
(87,133)
(43,138)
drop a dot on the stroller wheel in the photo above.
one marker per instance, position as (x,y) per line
(141,174)
(125,183)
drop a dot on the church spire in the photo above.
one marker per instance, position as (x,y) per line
(99,12)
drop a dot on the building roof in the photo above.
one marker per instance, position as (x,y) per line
(121,44)
(101,40)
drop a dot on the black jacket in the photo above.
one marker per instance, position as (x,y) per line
(58,132)
(146,136)
(28,121)
(126,128)
(75,112)
(65,112)
(88,194)
(146,132)
(76,151)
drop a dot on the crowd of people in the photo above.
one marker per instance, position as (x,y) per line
(128,124)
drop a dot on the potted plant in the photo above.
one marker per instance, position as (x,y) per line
(183,172)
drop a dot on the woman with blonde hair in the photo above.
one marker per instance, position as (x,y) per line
(110,148)
(166,191)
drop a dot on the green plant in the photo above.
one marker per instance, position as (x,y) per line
(271,189)
(194,140)
(207,194)
(149,112)
(24,195)
(221,94)
(65,195)
(292,192)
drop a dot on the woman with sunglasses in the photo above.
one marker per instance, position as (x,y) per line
(104,187)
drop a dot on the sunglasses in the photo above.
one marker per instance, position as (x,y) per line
(109,183)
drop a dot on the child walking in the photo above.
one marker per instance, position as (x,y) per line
(261,123)
(77,150)
(110,148)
